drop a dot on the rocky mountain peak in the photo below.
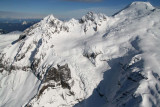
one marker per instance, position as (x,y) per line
(90,16)
(49,18)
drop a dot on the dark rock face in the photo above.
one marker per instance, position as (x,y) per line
(91,56)
(52,74)
(21,37)
(62,75)
(35,64)
(65,73)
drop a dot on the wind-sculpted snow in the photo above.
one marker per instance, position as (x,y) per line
(92,62)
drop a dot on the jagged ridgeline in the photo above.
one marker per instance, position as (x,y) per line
(92,62)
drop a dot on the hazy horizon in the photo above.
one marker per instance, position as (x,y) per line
(63,9)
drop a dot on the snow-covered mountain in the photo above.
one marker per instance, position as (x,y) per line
(97,61)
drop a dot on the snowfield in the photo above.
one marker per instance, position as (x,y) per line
(97,61)
(6,39)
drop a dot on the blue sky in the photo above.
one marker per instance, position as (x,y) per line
(61,8)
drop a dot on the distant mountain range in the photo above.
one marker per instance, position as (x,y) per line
(2,31)
(8,25)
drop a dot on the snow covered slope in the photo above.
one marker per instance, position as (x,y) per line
(92,62)
(6,39)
